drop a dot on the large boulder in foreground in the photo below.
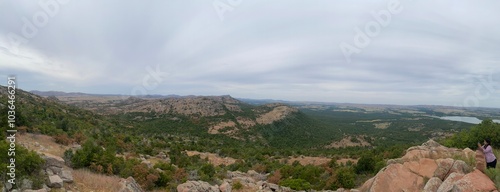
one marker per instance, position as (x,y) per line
(474,181)
(397,177)
(431,167)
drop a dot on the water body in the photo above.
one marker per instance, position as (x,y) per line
(472,120)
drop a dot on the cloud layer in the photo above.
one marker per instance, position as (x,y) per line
(443,53)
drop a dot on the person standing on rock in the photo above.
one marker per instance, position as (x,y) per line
(491,160)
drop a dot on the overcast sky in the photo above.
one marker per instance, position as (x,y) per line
(382,52)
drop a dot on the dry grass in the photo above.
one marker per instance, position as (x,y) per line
(85,180)
(45,144)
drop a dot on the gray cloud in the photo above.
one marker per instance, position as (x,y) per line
(429,53)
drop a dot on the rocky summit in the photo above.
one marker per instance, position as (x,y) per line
(432,167)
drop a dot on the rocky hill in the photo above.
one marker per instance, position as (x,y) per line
(218,114)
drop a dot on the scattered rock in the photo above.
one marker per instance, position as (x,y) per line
(147,163)
(268,187)
(26,184)
(38,190)
(130,185)
(76,147)
(55,181)
(161,155)
(54,170)
(7,187)
(52,160)
(256,176)
(192,186)
(66,176)
(225,187)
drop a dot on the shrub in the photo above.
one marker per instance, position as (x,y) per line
(494,175)
(144,176)
(366,164)
(296,184)
(208,169)
(469,138)
(63,139)
(68,156)
(345,178)
(275,177)
(237,185)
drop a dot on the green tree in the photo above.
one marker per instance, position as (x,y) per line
(366,164)
(346,177)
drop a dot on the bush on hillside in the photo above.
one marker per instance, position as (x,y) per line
(296,184)
(470,138)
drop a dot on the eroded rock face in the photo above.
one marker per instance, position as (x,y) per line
(425,167)
(397,177)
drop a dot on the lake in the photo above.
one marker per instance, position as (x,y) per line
(472,120)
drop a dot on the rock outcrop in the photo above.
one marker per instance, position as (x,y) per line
(431,167)
(194,186)
(52,160)
(130,185)
(250,181)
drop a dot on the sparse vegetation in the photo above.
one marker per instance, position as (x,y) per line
(237,185)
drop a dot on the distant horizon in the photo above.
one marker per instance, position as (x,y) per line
(258,99)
